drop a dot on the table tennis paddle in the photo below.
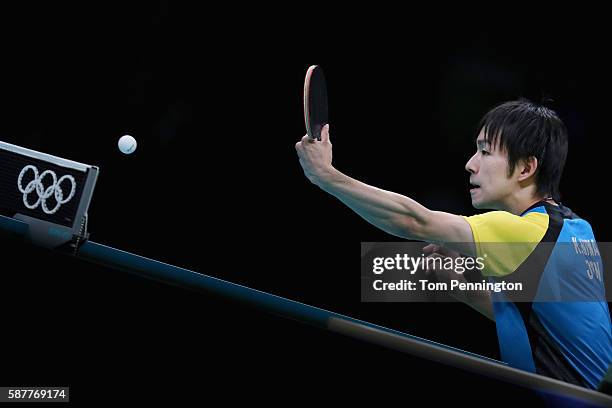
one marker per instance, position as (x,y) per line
(315,102)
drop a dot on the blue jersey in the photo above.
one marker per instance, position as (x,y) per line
(562,330)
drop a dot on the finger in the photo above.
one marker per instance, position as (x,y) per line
(430,265)
(447,252)
(307,139)
(428,249)
(325,133)
(428,268)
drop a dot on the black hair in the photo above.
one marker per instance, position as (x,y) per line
(524,129)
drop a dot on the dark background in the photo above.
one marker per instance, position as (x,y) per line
(213,98)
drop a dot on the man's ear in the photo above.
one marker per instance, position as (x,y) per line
(527,168)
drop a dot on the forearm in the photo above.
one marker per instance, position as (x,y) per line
(389,211)
(479,300)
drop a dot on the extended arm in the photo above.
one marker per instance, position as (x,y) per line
(391,212)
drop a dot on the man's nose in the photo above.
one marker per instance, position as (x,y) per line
(470,166)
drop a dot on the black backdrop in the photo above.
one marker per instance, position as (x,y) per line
(214,100)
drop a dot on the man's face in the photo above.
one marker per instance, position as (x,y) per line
(488,169)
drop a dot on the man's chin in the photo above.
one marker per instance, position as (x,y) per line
(478,204)
(482,205)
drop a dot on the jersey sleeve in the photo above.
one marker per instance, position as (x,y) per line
(505,240)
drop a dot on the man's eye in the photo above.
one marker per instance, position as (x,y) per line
(484,152)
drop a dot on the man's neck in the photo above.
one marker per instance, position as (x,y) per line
(518,207)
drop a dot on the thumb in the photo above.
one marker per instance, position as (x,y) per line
(325,133)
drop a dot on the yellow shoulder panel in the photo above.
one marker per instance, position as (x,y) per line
(519,234)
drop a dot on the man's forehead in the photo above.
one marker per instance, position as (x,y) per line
(481,139)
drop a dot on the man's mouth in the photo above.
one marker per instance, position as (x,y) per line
(474,187)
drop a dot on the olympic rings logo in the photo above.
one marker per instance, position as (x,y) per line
(37,186)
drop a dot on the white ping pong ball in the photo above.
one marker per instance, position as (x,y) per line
(127,144)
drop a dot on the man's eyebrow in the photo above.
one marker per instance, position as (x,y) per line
(481,143)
